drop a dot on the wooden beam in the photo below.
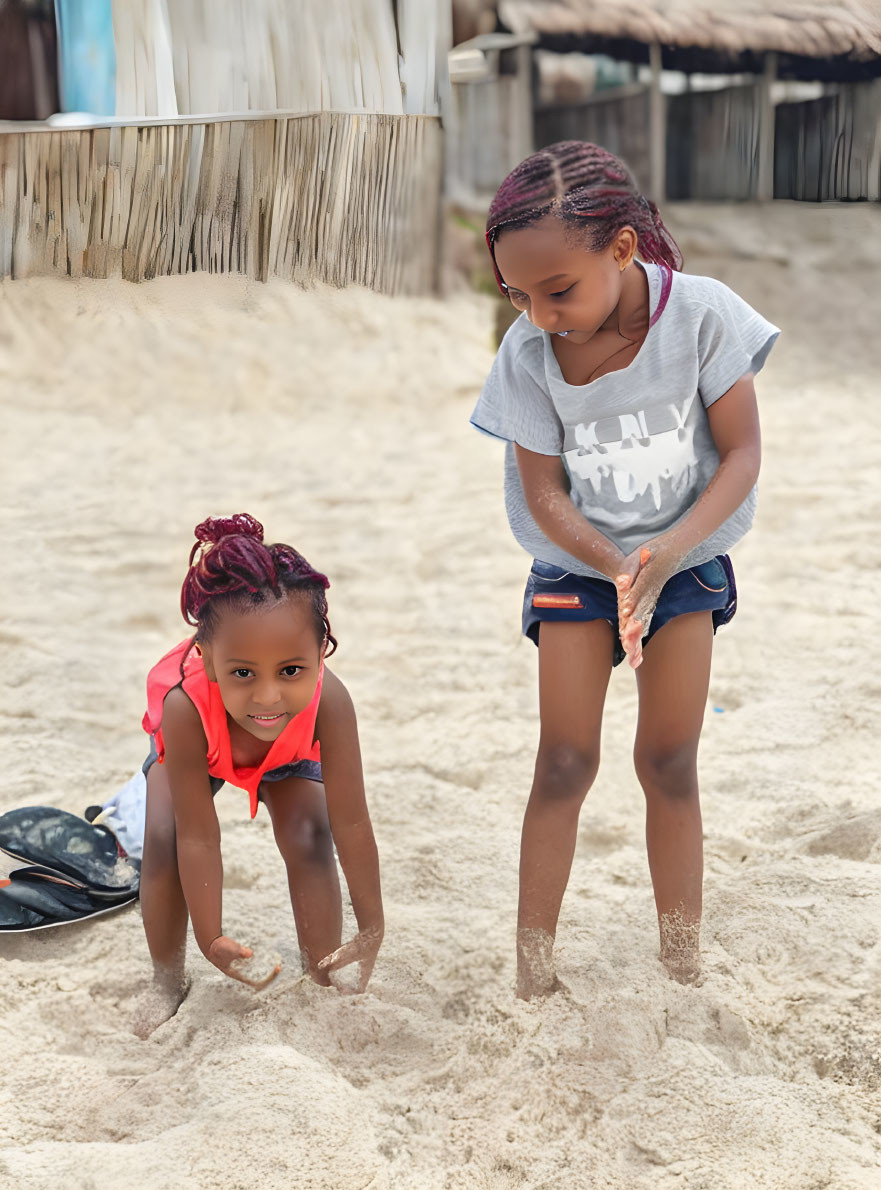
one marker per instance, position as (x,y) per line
(657,129)
(764,190)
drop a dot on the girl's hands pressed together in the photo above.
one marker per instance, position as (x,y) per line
(225,953)
(362,950)
(639,584)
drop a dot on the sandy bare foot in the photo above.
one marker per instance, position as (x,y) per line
(536,974)
(158,1004)
(680,947)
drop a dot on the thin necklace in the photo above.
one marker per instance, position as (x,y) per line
(618,350)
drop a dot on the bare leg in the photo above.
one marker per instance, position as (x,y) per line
(298,811)
(163,909)
(673,681)
(574,663)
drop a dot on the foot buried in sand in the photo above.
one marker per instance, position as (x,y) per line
(159,1003)
(536,974)
(680,947)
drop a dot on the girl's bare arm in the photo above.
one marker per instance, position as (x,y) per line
(734,424)
(198,832)
(350,825)
(547,497)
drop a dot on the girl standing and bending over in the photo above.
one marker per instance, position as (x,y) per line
(248,699)
(625,394)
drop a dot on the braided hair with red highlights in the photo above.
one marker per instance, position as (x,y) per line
(230,566)
(591,191)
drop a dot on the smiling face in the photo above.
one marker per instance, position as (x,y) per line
(266,661)
(565,287)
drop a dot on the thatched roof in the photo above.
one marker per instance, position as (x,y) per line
(806,28)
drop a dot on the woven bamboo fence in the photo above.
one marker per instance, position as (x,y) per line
(333,197)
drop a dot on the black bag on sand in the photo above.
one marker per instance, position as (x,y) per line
(56,868)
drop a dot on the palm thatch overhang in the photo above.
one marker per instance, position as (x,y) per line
(813,39)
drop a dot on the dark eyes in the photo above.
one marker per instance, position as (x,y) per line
(516,296)
(289,671)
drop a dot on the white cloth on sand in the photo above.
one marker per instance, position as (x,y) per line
(124,814)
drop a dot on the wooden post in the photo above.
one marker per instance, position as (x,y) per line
(873,186)
(765,174)
(425,36)
(657,129)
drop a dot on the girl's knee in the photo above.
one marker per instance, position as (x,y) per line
(306,839)
(160,844)
(666,769)
(565,772)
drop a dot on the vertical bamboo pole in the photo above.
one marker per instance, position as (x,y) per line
(657,129)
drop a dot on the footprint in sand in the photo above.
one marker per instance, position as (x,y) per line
(726,1033)
(857,837)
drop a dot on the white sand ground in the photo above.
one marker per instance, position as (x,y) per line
(341,420)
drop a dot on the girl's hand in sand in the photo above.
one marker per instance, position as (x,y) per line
(647,569)
(362,950)
(232,959)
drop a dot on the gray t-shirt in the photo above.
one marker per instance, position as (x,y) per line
(636,443)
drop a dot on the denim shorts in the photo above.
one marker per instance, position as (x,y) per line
(556,595)
(309,769)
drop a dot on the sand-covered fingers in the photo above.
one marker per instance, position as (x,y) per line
(239,963)
(632,633)
(255,971)
(350,966)
(638,599)
(624,581)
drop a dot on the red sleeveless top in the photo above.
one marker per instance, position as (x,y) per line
(295,743)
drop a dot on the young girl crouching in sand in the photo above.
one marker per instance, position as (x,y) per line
(248,699)
(625,394)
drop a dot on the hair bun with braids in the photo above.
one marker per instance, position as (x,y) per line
(231,565)
(211,530)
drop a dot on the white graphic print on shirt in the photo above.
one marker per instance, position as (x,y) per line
(637,451)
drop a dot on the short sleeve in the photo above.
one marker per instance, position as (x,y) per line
(515,407)
(733,339)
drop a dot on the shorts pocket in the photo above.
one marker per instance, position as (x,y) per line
(546,572)
(710,575)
